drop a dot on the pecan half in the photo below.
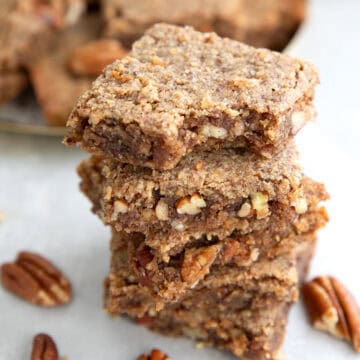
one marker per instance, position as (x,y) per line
(197,263)
(92,58)
(36,280)
(44,348)
(155,354)
(333,309)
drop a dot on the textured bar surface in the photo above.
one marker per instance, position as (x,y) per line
(245,314)
(270,195)
(169,280)
(181,91)
(204,192)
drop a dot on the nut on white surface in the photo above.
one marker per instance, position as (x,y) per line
(333,309)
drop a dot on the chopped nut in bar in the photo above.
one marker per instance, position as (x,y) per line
(173,207)
(169,273)
(240,310)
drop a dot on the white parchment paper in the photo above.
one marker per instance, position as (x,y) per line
(45,212)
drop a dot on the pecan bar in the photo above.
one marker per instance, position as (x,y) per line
(201,257)
(212,192)
(27,28)
(56,88)
(245,314)
(181,91)
(259,23)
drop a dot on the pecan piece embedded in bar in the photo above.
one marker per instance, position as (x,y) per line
(243,310)
(202,194)
(197,263)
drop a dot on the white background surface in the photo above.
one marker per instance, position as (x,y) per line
(46,213)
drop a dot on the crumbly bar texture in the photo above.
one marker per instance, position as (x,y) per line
(201,193)
(11,85)
(169,280)
(246,316)
(280,223)
(260,23)
(181,91)
(56,88)
(210,191)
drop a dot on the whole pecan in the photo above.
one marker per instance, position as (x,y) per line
(92,58)
(44,348)
(333,309)
(36,280)
(155,354)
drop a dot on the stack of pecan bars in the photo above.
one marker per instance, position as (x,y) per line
(194,168)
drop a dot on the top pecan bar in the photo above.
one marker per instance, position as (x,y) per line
(181,91)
